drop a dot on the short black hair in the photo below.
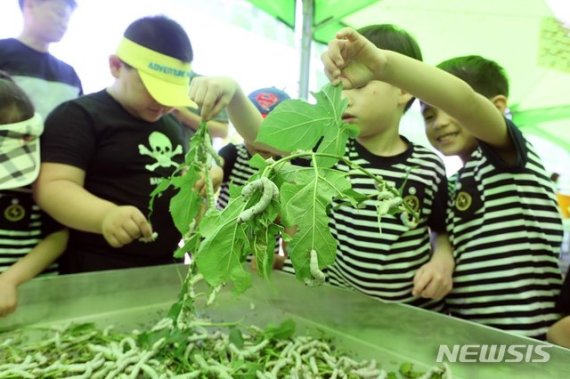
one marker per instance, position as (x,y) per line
(394,38)
(71,3)
(15,105)
(163,35)
(485,76)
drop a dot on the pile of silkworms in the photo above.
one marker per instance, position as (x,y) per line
(85,351)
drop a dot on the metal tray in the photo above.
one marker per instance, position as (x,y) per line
(390,333)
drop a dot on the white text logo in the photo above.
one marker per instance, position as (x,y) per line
(493,353)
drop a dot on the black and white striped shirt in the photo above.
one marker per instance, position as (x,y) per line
(237,170)
(506,230)
(22,226)
(383,264)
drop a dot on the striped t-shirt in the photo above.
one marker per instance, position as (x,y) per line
(506,231)
(382,264)
(236,170)
(22,226)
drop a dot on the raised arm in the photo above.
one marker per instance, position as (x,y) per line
(354,61)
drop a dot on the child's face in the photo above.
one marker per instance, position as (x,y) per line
(446,134)
(49,19)
(134,97)
(373,108)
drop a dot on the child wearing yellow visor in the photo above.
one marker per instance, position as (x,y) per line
(104,153)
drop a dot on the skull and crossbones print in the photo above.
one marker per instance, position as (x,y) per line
(161,150)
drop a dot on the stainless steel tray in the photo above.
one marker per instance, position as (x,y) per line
(390,333)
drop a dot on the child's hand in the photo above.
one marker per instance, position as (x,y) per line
(8,297)
(278,261)
(217,176)
(352,60)
(559,332)
(124,224)
(212,94)
(434,280)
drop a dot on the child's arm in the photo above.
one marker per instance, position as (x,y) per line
(192,120)
(216,175)
(434,280)
(59,191)
(37,260)
(212,94)
(354,61)
(559,333)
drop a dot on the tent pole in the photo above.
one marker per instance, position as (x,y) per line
(306,39)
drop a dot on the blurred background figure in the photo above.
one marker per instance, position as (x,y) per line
(266,99)
(47,80)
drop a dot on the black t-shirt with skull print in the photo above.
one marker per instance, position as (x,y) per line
(124,158)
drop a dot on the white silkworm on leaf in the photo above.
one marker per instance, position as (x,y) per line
(270,192)
(249,188)
(408,220)
(318,277)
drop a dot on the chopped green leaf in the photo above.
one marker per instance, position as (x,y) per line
(282,331)
(236,337)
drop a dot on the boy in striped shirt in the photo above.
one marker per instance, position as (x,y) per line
(386,259)
(502,215)
(397,263)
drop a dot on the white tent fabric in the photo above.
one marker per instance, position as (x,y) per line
(508,31)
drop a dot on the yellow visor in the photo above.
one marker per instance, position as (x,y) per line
(167,79)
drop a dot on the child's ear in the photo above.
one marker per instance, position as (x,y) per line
(500,102)
(114,65)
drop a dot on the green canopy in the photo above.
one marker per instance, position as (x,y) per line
(326,16)
(320,21)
